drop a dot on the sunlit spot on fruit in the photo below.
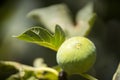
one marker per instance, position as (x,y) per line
(78,45)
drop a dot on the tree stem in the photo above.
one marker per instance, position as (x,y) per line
(89,77)
(47,69)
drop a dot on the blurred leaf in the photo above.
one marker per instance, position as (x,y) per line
(14,77)
(43,37)
(27,75)
(52,15)
(85,13)
(117,74)
(60,14)
(15,71)
(33,74)
(58,68)
(8,68)
(39,62)
(32,78)
(46,76)
(85,19)
(49,76)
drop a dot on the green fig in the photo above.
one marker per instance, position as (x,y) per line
(76,55)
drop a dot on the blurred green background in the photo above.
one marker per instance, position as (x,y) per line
(105,33)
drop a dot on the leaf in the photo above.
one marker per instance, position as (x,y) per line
(57,68)
(28,75)
(60,14)
(7,69)
(49,76)
(85,19)
(14,77)
(10,70)
(59,36)
(117,74)
(52,15)
(43,37)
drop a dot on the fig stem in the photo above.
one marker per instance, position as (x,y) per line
(89,77)
(62,76)
(47,69)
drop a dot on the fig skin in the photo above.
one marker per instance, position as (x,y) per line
(76,55)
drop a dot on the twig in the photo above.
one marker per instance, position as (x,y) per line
(89,77)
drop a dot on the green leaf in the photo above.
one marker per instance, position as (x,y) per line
(50,76)
(59,36)
(14,77)
(117,74)
(57,68)
(43,37)
(29,75)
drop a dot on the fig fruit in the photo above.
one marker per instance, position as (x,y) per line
(76,55)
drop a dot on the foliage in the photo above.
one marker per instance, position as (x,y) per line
(43,37)
(50,38)
(15,71)
(40,71)
(60,14)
